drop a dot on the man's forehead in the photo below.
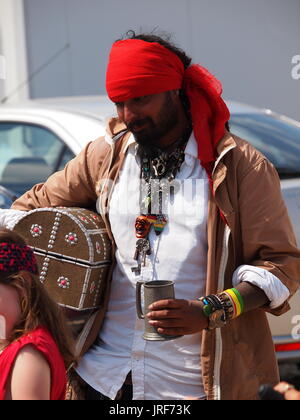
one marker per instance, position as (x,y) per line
(148,97)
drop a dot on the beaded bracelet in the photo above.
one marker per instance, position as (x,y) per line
(228,305)
(230,301)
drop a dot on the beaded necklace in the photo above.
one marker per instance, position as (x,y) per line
(157,172)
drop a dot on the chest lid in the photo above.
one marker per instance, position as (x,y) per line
(67,233)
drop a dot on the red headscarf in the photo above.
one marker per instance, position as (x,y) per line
(139,68)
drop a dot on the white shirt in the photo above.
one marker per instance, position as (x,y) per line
(160,370)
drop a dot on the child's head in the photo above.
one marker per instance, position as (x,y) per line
(17,269)
(24,302)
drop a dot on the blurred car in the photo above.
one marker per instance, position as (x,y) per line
(7,197)
(39,137)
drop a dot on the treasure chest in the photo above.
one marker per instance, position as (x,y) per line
(73,252)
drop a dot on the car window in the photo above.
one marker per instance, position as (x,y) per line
(66,156)
(6,198)
(277,139)
(29,154)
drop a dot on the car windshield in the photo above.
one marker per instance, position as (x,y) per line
(276,138)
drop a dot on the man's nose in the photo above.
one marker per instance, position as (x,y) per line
(128,113)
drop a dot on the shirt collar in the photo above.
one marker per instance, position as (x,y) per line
(191,150)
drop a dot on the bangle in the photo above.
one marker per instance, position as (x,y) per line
(240,298)
(207,308)
(237,301)
(214,310)
(223,307)
(228,305)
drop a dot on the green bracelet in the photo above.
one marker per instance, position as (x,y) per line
(240,299)
(207,308)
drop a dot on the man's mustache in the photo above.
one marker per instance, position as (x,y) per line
(138,123)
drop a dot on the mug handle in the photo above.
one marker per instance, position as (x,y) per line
(138,300)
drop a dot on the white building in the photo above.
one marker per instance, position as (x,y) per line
(61,46)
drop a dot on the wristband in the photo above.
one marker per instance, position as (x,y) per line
(207,308)
(237,301)
(214,310)
(223,307)
(240,298)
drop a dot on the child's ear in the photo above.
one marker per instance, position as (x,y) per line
(2,328)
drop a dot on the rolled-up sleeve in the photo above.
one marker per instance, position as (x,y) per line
(9,218)
(273,288)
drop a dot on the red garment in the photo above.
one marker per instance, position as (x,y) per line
(139,68)
(42,340)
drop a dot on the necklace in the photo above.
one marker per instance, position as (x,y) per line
(157,172)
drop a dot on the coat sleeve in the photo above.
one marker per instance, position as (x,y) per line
(74,186)
(267,234)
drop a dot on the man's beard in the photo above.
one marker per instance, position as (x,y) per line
(149,138)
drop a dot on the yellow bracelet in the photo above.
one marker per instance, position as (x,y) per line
(235,301)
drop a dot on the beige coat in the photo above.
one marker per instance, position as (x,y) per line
(239,357)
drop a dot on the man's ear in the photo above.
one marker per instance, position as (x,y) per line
(175,92)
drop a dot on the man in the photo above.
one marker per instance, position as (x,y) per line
(202,208)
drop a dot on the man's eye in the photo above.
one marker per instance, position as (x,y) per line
(119,104)
(142,99)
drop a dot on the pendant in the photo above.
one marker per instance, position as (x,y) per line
(159,167)
(159,222)
(142,227)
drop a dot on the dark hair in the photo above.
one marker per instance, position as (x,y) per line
(164,39)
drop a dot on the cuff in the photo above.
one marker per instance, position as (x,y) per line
(274,289)
(9,218)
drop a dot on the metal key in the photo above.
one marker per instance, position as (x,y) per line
(136,270)
(143,248)
(143,245)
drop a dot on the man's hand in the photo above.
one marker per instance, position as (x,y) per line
(289,391)
(177,316)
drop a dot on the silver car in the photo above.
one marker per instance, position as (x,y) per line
(37,138)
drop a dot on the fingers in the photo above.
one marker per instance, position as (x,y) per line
(288,390)
(171,331)
(167,303)
(166,323)
(176,317)
(168,308)
(165,314)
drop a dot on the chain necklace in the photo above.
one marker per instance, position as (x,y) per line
(157,172)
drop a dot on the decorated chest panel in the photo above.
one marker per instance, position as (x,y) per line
(73,252)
